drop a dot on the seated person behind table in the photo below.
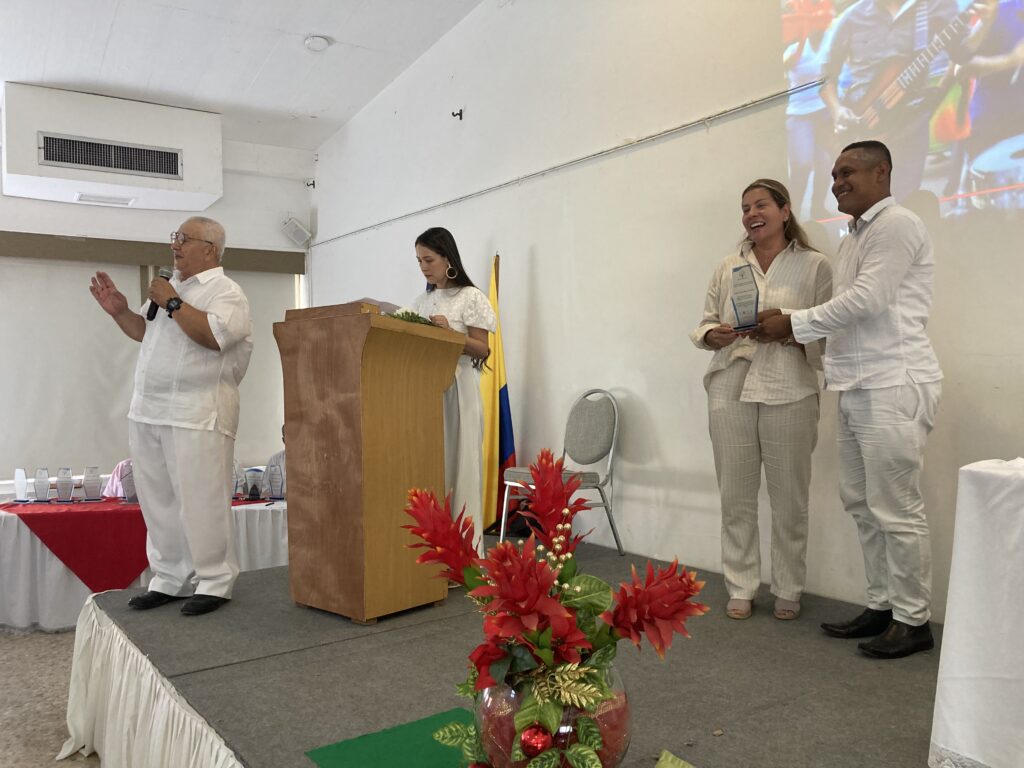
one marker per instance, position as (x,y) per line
(277,460)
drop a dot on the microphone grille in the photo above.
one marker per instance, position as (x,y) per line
(165,273)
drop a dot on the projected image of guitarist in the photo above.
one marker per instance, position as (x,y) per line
(881,68)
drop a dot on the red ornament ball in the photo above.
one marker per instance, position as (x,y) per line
(535,740)
(479,765)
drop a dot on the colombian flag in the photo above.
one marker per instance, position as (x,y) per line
(499,443)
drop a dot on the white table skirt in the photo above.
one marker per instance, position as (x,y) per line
(122,708)
(978,720)
(37,591)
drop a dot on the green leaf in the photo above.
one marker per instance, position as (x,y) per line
(668,760)
(522,659)
(568,569)
(472,749)
(544,641)
(548,759)
(546,655)
(468,688)
(549,715)
(517,751)
(528,714)
(580,756)
(588,733)
(592,594)
(587,622)
(473,577)
(452,735)
(499,668)
(602,658)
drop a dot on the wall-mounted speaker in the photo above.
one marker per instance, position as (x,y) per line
(297,233)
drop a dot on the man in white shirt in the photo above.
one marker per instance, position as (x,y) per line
(879,358)
(275,462)
(183,417)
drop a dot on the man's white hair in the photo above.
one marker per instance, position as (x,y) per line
(212,231)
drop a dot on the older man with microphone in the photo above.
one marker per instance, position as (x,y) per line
(183,417)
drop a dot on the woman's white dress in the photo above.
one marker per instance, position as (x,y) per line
(465,307)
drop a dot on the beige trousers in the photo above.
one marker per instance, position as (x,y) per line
(184,478)
(744,437)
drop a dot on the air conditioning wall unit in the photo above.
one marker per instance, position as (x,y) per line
(96,150)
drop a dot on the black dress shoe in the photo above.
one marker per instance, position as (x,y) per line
(899,640)
(868,624)
(151,599)
(200,604)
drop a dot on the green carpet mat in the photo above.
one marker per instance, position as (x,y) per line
(398,747)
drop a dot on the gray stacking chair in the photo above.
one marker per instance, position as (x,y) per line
(590,434)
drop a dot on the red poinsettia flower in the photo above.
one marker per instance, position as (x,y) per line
(550,503)
(519,606)
(657,607)
(482,657)
(449,542)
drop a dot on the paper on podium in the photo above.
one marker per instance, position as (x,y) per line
(386,307)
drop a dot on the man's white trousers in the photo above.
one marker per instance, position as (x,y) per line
(184,478)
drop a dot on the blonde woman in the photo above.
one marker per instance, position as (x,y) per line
(763,401)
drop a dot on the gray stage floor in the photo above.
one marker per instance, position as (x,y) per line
(276,680)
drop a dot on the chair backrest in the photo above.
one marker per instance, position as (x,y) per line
(592,428)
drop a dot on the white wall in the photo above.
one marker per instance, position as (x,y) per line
(263,186)
(605,265)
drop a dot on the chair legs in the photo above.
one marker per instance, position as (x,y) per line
(605,503)
(611,519)
(504,513)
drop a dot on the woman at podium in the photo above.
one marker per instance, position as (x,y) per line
(452,301)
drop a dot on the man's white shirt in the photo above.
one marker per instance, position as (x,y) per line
(181,383)
(875,324)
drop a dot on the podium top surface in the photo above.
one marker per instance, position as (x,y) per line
(362,312)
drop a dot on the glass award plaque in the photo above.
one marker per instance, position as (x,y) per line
(20,485)
(65,484)
(128,484)
(92,484)
(275,482)
(42,485)
(744,298)
(253,482)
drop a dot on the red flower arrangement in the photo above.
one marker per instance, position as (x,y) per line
(550,632)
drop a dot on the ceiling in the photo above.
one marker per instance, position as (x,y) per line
(244,59)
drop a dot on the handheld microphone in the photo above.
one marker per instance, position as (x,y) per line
(166,274)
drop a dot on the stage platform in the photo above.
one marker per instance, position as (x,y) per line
(267,680)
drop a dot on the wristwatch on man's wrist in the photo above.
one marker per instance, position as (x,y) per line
(173,305)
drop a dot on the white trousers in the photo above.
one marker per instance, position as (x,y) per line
(882,434)
(184,479)
(781,437)
(464,444)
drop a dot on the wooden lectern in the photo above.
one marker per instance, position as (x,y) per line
(364,423)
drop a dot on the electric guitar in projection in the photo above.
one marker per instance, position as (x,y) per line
(897,95)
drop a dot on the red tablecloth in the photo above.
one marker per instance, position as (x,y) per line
(102,542)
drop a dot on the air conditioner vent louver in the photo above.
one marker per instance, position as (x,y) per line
(96,154)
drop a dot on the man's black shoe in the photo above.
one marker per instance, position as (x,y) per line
(151,599)
(200,604)
(868,624)
(899,640)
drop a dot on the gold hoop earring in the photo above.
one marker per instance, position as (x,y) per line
(448,272)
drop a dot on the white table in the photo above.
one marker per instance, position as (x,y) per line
(978,720)
(37,591)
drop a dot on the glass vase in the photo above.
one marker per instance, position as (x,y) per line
(495,721)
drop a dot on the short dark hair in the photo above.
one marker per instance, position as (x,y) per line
(875,149)
(440,241)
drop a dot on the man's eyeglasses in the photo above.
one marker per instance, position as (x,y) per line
(181,238)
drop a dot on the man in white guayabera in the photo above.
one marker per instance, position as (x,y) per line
(878,357)
(196,342)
